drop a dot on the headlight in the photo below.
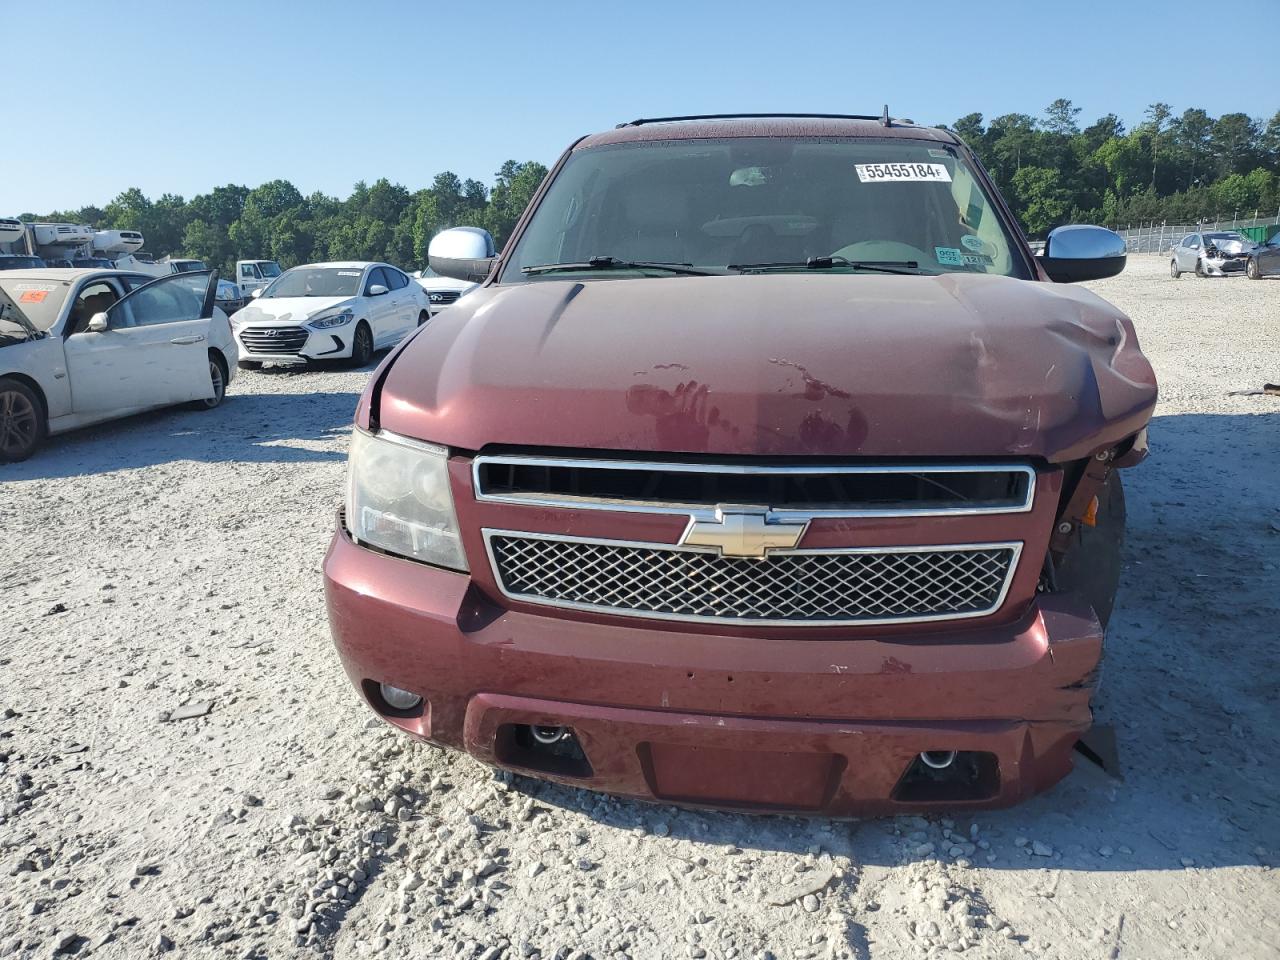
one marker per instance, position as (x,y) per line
(398,499)
(332,320)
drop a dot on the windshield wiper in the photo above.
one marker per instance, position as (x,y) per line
(613,263)
(904,267)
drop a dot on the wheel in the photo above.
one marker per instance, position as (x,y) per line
(362,345)
(423,317)
(22,420)
(1173,269)
(250,364)
(218,374)
(1199,268)
(1251,268)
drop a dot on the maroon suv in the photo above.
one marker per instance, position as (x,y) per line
(766,468)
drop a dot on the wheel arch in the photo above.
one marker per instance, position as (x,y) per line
(34,384)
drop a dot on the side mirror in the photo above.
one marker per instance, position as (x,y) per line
(97,323)
(256,292)
(1076,253)
(377,290)
(463,253)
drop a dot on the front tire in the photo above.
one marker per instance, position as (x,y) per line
(1252,271)
(1200,269)
(1173,269)
(22,421)
(218,374)
(362,345)
(423,317)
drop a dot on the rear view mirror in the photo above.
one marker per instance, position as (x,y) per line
(1076,253)
(97,323)
(463,253)
(377,290)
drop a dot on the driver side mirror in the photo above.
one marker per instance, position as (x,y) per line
(377,290)
(463,253)
(97,323)
(1076,253)
(255,293)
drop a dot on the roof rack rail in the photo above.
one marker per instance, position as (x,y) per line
(883,119)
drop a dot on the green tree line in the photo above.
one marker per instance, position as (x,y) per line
(1174,168)
(382,221)
(1180,169)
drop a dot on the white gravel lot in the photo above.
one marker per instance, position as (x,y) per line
(173,559)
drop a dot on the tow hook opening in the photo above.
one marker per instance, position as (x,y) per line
(543,747)
(949,776)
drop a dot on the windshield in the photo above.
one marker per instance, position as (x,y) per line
(1224,237)
(39,300)
(188,266)
(20,263)
(315,282)
(428,274)
(720,205)
(269,268)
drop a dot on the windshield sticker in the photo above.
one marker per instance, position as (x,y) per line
(902,172)
(348,273)
(976,244)
(940,154)
(949,256)
(33,296)
(976,260)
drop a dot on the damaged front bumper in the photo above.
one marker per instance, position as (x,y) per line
(834,726)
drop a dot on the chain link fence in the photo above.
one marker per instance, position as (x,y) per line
(1160,237)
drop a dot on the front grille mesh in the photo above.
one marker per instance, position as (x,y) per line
(905,584)
(275,340)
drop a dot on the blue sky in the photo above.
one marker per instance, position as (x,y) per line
(325,94)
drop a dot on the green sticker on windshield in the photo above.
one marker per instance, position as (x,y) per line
(948,256)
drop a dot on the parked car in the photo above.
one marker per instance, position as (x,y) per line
(767,468)
(1210,254)
(93,263)
(57,262)
(254,275)
(81,346)
(442,291)
(329,311)
(1264,259)
(17,261)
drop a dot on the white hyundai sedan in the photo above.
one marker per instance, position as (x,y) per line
(329,311)
(81,346)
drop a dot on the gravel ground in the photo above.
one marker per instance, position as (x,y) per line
(169,565)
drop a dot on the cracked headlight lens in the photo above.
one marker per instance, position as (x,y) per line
(398,499)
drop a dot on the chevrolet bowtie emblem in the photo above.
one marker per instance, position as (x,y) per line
(742,533)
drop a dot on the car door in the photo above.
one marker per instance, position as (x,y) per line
(1192,253)
(381,308)
(249,278)
(154,350)
(406,316)
(1268,256)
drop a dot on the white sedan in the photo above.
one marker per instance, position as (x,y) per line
(329,311)
(442,291)
(81,346)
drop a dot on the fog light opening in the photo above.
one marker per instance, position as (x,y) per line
(548,748)
(398,699)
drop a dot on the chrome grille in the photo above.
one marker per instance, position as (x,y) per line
(849,586)
(442,298)
(273,339)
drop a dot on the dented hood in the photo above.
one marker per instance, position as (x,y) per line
(782,364)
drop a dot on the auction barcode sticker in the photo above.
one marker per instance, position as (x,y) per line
(902,172)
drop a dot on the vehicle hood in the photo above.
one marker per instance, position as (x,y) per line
(290,309)
(792,364)
(1233,248)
